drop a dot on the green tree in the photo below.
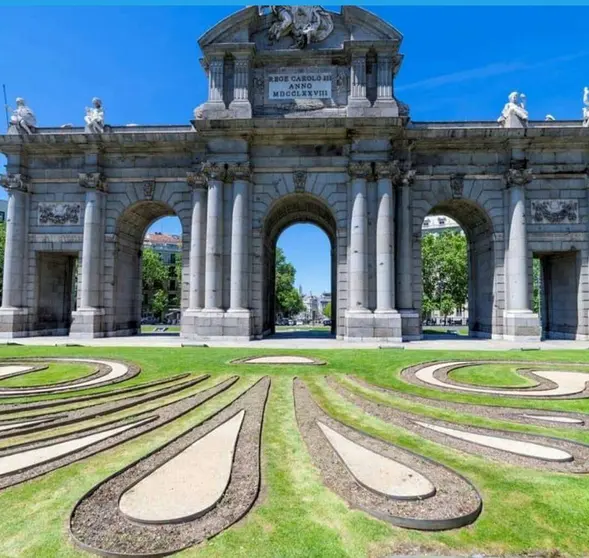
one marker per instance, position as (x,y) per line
(444,272)
(159,303)
(154,271)
(288,299)
(327,311)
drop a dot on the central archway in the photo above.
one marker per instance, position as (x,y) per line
(287,211)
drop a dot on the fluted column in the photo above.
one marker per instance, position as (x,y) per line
(95,185)
(358,79)
(16,233)
(385,223)
(241,79)
(384,90)
(357,275)
(215,69)
(214,241)
(517,250)
(404,228)
(197,181)
(241,174)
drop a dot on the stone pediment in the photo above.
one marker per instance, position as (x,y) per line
(253,26)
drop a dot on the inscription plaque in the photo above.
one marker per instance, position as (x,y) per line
(311,85)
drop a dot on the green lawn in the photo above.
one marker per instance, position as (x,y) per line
(499,375)
(57,372)
(524,510)
(436,330)
(152,328)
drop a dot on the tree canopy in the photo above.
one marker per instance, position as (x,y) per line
(444,272)
(288,299)
(154,271)
(327,311)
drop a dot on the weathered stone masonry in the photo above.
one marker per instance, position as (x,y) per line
(344,156)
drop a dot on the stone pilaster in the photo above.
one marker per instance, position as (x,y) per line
(87,320)
(387,321)
(520,321)
(216,79)
(359,319)
(240,105)
(13,313)
(385,101)
(357,101)
(409,317)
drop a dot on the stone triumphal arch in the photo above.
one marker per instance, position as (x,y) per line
(301,123)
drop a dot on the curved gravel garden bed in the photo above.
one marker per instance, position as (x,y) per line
(98,525)
(455,502)
(156,418)
(409,421)
(512,414)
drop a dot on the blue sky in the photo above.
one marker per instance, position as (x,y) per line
(460,64)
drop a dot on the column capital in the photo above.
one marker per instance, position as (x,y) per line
(518,176)
(214,171)
(93,181)
(408,177)
(196,179)
(360,169)
(388,169)
(15,182)
(239,171)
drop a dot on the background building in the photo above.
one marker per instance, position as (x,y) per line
(3,207)
(169,248)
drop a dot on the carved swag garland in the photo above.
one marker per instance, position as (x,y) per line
(544,211)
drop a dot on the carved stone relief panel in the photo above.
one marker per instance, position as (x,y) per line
(59,214)
(555,212)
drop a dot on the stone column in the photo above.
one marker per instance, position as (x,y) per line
(385,223)
(241,174)
(87,320)
(358,271)
(520,321)
(384,90)
(16,235)
(215,173)
(197,181)
(95,185)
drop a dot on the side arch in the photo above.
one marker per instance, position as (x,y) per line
(479,212)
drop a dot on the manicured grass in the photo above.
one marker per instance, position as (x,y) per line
(55,372)
(436,330)
(524,511)
(498,375)
(152,328)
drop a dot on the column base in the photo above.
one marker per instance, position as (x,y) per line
(209,324)
(358,108)
(411,325)
(14,323)
(388,326)
(385,107)
(241,109)
(521,325)
(87,323)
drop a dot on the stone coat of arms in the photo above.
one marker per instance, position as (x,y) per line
(306,24)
